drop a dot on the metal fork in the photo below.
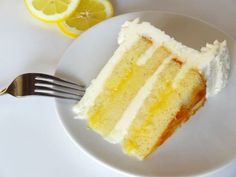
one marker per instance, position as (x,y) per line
(44,85)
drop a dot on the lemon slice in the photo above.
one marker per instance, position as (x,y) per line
(51,10)
(87,14)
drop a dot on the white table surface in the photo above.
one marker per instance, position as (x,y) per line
(33,142)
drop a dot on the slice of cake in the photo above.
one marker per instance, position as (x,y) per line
(150,86)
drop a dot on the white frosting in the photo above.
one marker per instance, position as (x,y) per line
(217,71)
(143,59)
(213,61)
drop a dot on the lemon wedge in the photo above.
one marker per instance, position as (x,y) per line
(51,10)
(87,14)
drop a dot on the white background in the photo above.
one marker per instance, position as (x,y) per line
(33,142)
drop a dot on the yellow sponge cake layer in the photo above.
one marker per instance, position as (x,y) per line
(115,97)
(160,115)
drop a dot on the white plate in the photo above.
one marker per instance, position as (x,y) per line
(204,144)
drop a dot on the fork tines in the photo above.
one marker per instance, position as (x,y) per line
(47,85)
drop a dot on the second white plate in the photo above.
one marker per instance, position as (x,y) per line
(204,144)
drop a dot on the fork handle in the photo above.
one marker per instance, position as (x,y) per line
(3,91)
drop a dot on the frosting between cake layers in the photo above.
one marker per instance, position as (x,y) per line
(212,61)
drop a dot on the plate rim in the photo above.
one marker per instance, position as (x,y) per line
(104,163)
